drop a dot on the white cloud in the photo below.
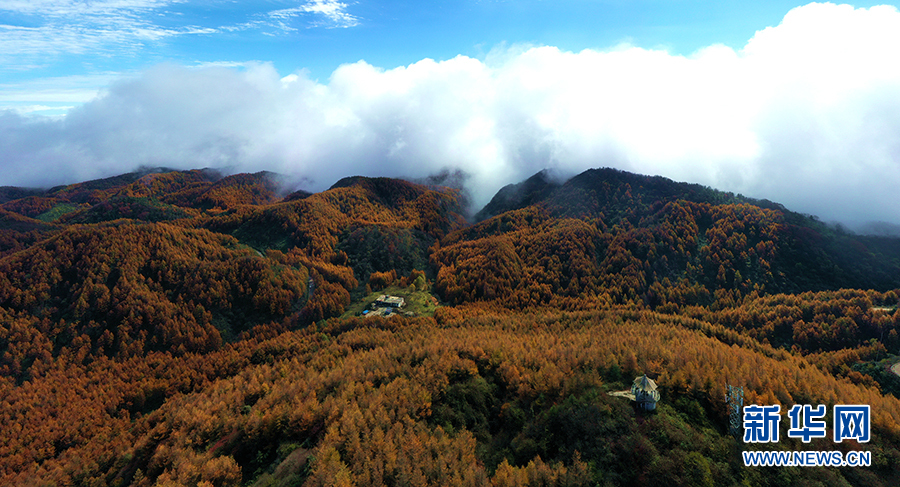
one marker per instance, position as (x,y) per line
(58,27)
(330,13)
(27,109)
(54,28)
(807,114)
(66,89)
(68,8)
(52,96)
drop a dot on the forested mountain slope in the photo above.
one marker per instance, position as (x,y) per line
(185,328)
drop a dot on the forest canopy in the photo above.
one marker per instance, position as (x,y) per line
(187,328)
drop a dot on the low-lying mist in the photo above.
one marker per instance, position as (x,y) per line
(807,114)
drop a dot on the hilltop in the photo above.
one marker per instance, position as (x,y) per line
(190,328)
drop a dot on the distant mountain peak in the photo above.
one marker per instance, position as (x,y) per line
(515,196)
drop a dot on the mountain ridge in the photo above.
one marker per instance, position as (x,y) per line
(181,328)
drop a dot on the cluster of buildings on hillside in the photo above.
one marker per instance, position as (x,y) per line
(386,306)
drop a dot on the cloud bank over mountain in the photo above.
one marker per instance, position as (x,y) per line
(807,113)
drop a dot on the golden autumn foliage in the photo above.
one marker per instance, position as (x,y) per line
(122,290)
(375,402)
(531,258)
(181,329)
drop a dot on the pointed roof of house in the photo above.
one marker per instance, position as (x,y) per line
(644,383)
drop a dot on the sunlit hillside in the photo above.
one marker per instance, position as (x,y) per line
(185,328)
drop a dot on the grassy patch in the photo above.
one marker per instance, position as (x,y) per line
(262,237)
(57,212)
(422,303)
(135,208)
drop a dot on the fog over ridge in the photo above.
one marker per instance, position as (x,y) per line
(807,114)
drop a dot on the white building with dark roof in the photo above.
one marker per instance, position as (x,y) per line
(645,392)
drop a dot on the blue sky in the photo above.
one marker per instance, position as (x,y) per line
(798,103)
(68,49)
